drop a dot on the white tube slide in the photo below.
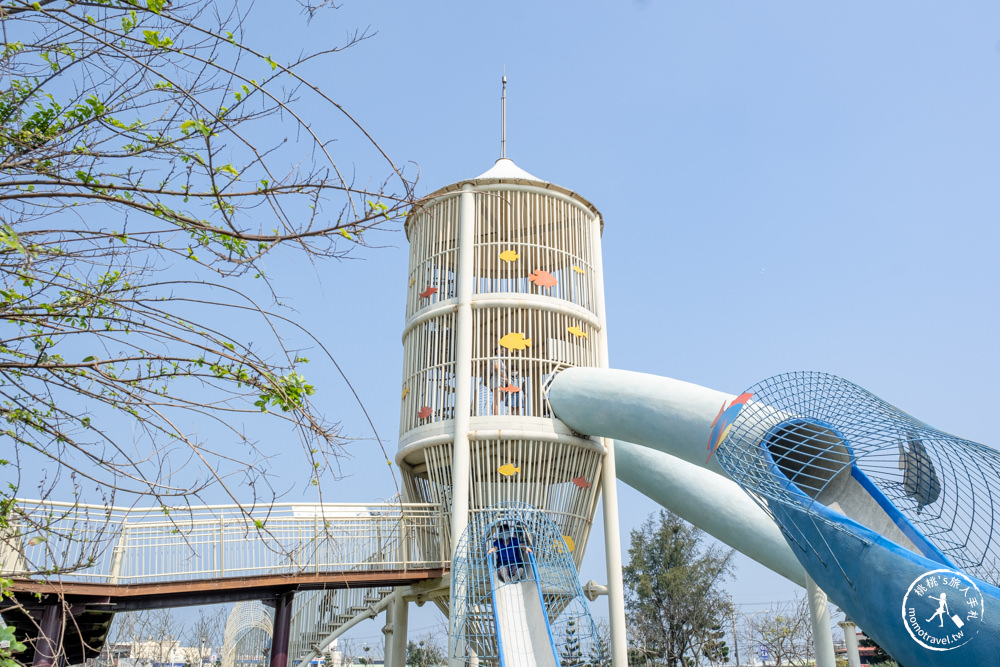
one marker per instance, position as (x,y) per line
(522,625)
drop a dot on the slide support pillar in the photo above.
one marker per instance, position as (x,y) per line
(819,612)
(851,640)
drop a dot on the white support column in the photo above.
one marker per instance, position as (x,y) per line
(851,639)
(387,632)
(461,458)
(400,618)
(609,488)
(819,611)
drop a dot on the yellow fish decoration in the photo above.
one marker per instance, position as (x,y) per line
(515,341)
(578,332)
(509,255)
(413,280)
(508,469)
(578,270)
(406,390)
(569,543)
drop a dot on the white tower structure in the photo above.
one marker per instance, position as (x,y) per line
(505,291)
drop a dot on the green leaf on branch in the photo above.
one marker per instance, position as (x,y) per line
(153,39)
(8,642)
(288,392)
(196,124)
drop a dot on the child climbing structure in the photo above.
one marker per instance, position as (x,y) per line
(504,291)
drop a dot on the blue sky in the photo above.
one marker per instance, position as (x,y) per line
(785,186)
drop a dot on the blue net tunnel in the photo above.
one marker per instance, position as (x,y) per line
(518,601)
(895,520)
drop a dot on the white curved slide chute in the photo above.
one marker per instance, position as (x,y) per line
(661,427)
(522,625)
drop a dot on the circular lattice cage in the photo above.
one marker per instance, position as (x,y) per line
(473,631)
(248,635)
(801,436)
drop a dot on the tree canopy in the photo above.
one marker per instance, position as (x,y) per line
(152,155)
(673,590)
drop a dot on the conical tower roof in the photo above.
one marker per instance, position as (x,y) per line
(506,172)
(505,168)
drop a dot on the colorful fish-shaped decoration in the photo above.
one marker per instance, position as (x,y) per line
(543,278)
(508,469)
(581,482)
(425,412)
(570,544)
(515,341)
(428,292)
(511,389)
(413,280)
(723,421)
(578,270)
(509,255)
(578,332)
(406,390)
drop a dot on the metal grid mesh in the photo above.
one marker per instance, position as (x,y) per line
(561,478)
(794,442)
(473,623)
(248,635)
(547,232)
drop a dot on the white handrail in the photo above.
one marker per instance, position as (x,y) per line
(94,543)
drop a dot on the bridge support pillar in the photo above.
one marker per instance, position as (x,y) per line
(400,618)
(282,629)
(48,646)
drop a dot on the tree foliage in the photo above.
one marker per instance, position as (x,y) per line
(425,653)
(786,631)
(147,174)
(673,592)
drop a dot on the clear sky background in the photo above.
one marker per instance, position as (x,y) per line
(785,186)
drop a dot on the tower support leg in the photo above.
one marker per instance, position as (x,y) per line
(819,611)
(388,630)
(282,629)
(613,556)
(400,617)
(851,639)
(48,646)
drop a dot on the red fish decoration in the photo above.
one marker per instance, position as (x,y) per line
(511,389)
(425,412)
(428,292)
(581,482)
(543,278)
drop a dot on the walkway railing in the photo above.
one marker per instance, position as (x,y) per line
(114,545)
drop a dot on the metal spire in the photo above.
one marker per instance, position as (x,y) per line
(503,118)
